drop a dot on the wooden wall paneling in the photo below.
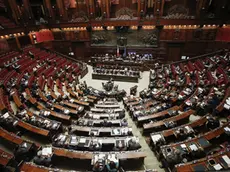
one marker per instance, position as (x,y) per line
(79,50)
(14,9)
(174,51)
(107,8)
(12,44)
(124,3)
(57,35)
(24,40)
(27,12)
(62,11)
(48,10)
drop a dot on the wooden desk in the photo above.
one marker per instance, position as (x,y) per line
(205,137)
(115,77)
(33,129)
(81,103)
(41,95)
(61,108)
(99,110)
(144,119)
(2,103)
(220,107)
(104,115)
(194,124)
(11,137)
(5,158)
(53,95)
(107,106)
(161,124)
(60,152)
(92,97)
(30,167)
(31,99)
(129,99)
(133,103)
(101,131)
(72,105)
(16,98)
(204,163)
(89,155)
(93,122)
(54,114)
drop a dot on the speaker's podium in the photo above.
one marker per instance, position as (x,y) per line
(121,46)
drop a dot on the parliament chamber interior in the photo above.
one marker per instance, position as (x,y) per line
(114,85)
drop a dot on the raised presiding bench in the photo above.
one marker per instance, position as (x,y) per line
(115,77)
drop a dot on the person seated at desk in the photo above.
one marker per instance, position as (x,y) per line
(181,134)
(133,144)
(49,105)
(48,96)
(120,146)
(122,114)
(212,123)
(112,166)
(8,121)
(133,90)
(172,157)
(106,123)
(42,160)
(124,123)
(99,166)
(21,152)
(95,145)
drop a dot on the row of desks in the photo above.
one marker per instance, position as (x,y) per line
(202,140)
(89,155)
(161,124)
(60,152)
(144,119)
(101,131)
(218,161)
(167,134)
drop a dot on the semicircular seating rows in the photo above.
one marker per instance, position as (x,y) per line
(184,113)
(40,100)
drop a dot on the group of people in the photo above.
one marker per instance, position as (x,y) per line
(114,70)
(131,56)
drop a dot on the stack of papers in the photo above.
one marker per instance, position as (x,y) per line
(6,115)
(217,167)
(82,140)
(227,103)
(227,129)
(47,151)
(193,147)
(73,140)
(226,159)
(156,137)
(116,131)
